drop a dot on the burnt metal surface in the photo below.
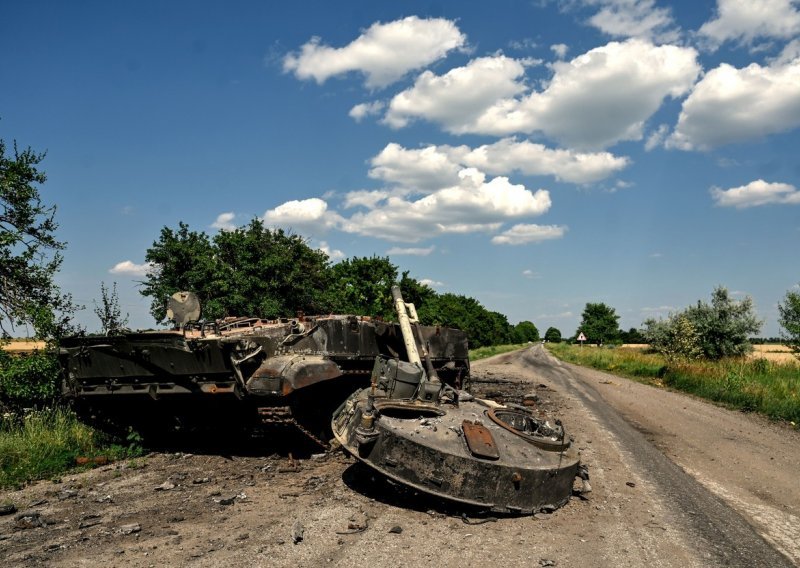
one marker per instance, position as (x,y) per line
(416,430)
(215,374)
(430,450)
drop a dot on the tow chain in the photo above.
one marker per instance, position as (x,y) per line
(282,416)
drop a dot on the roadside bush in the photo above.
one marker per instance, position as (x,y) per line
(675,338)
(28,380)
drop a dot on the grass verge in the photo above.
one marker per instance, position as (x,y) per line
(759,385)
(45,443)
(492,350)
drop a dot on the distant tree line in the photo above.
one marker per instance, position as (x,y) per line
(269,273)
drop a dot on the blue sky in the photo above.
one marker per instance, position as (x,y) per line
(534,155)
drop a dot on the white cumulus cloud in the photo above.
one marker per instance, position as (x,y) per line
(746,20)
(431,283)
(363,110)
(593,101)
(634,18)
(524,233)
(509,155)
(333,254)
(756,193)
(130,268)
(473,205)
(309,216)
(734,105)
(411,251)
(224,222)
(560,50)
(433,167)
(461,92)
(384,52)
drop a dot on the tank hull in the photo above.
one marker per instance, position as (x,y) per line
(239,374)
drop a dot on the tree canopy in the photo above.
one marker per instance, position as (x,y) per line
(251,270)
(789,318)
(526,331)
(599,323)
(257,271)
(552,335)
(29,251)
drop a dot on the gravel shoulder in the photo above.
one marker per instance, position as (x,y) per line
(195,509)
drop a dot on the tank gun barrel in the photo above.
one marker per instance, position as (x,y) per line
(405,327)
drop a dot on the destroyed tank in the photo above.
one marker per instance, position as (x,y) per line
(244,374)
(417,430)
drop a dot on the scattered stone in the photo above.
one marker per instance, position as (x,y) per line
(166,486)
(546,562)
(29,520)
(8,509)
(67,494)
(175,519)
(397,529)
(243,536)
(225,501)
(298,532)
(130,529)
(630,484)
(39,502)
(201,480)
(104,499)
(318,456)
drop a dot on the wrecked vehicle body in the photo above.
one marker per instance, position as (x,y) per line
(238,373)
(415,429)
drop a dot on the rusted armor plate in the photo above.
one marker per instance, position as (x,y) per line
(480,441)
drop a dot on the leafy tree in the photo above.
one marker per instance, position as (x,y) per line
(452,310)
(675,338)
(600,323)
(633,335)
(552,335)
(29,251)
(109,312)
(789,319)
(252,271)
(724,325)
(364,286)
(526,331)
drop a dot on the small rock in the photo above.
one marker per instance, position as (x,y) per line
(8,509)
(546,562)
(175,519)
(29,520)
(130,529)
(67,494)
(200,480)
(397,529)
(298,532)
(630,484)
(166,486)
(104,499)
(243,536)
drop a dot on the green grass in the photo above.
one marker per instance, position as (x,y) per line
(44,443)
(492,350)
(759,385)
